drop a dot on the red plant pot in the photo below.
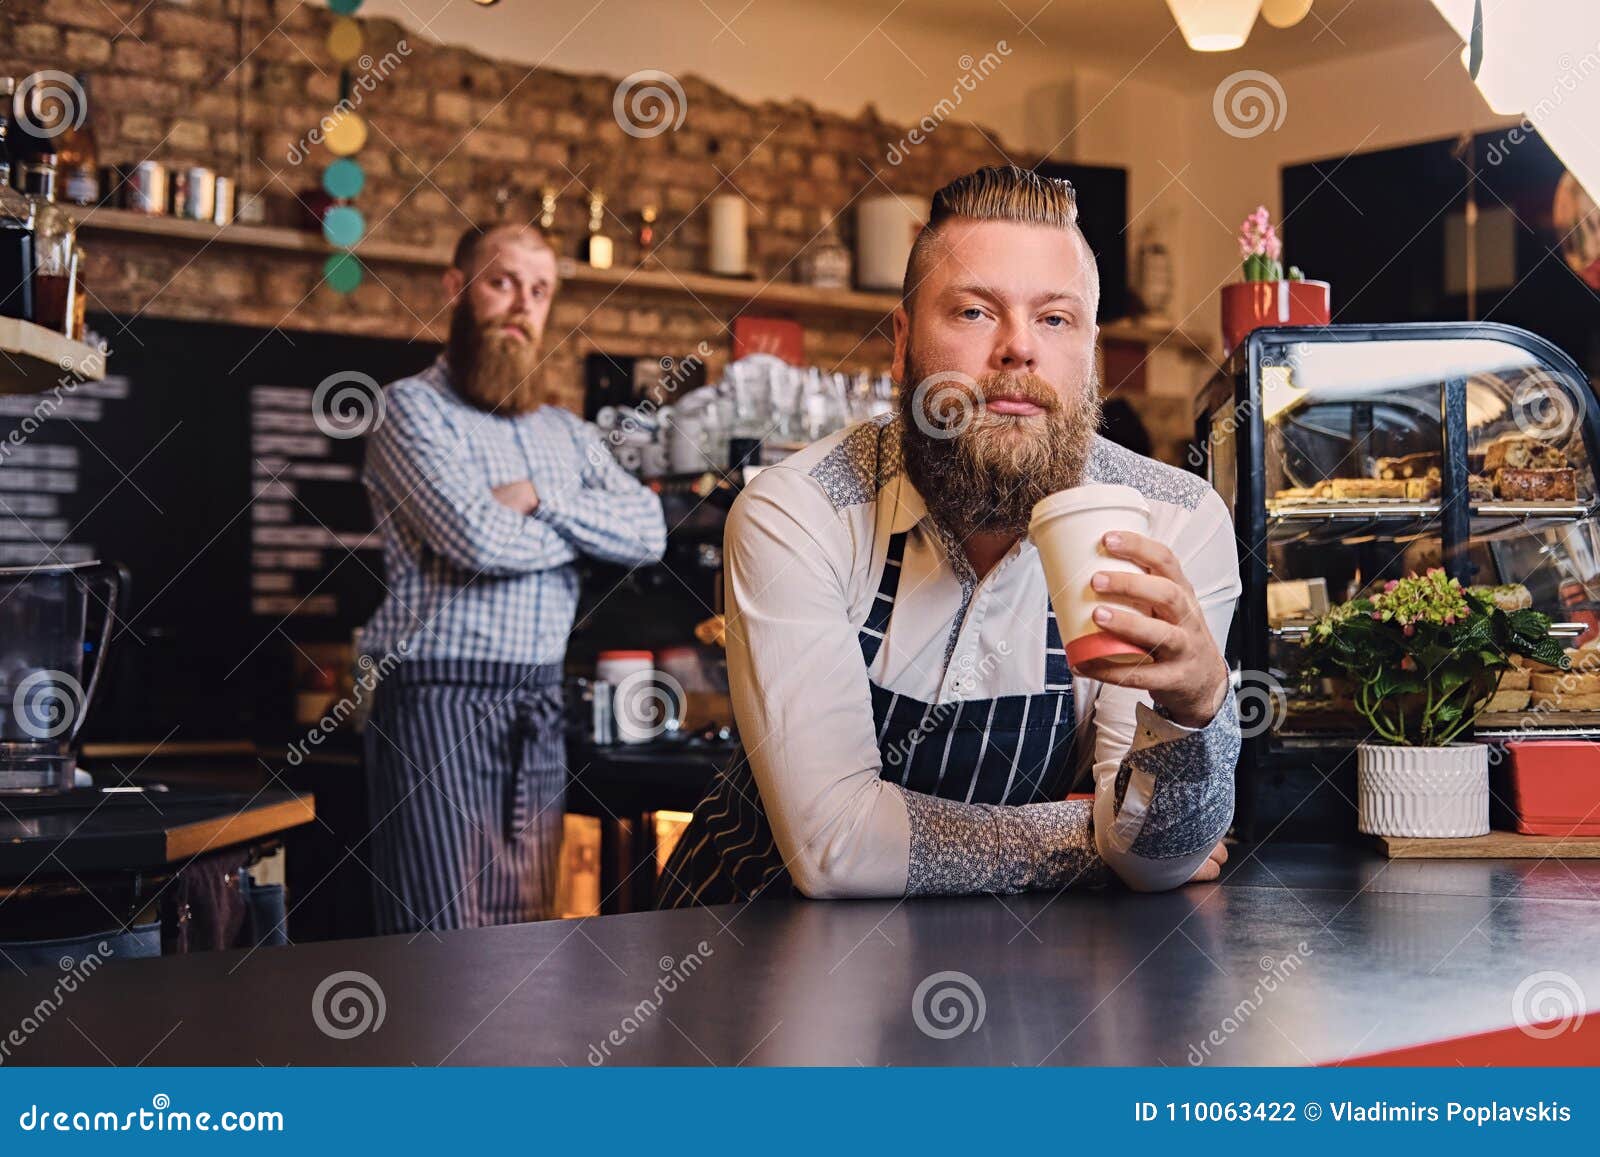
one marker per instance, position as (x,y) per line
(1554,786)
(1248,305)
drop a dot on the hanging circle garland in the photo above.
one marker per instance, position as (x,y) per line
(343,179)
(343,225)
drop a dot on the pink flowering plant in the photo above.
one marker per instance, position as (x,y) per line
(1262,249)
(1424,654)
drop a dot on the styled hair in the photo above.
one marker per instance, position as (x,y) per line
(465,257)
(999,193)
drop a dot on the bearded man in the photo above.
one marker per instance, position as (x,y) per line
(909,720)
(485,496)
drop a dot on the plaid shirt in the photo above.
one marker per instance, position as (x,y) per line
(469,578)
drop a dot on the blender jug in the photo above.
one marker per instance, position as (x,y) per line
(43,697)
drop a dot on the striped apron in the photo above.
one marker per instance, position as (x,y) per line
(466,783)
(1014,749)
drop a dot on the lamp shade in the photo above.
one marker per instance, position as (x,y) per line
(1214,25)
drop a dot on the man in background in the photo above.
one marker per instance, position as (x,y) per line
(485,497)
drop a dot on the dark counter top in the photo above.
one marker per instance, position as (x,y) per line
(1300,955)
(90,830)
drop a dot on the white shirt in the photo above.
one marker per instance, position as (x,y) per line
(804,552)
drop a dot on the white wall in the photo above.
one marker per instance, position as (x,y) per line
(1405,95)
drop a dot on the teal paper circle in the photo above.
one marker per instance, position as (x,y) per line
(342,272)
(344,7)
(343,179)
(343,225)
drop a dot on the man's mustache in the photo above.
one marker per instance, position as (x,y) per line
(493,326)
(1026,387)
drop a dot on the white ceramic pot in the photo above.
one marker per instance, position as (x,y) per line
(1423,791)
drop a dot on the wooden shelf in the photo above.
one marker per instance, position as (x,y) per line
(1185,342)
(1497,845)
(866,306)
(33,358)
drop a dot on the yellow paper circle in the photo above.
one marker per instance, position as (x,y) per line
(344,40)
(347,132)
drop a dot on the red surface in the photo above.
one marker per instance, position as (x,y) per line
(769,335)
(1555,786)
(1576,1044)
(1098,645)
(1247,305)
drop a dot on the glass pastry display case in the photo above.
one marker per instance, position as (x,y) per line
(1356,454)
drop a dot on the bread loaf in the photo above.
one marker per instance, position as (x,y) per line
(1522,452)
(1536,485)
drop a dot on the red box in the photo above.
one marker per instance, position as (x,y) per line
(1555,786)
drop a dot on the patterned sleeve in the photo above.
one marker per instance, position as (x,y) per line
(418,475)
(604,512)
(960,848)
(1164,793)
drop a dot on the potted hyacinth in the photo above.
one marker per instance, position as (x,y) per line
(1422,657)
(1267,296)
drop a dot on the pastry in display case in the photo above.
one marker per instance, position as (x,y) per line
(1356,454)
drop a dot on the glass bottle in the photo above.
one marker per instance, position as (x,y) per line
(78,157)
(53,240)
(827,261)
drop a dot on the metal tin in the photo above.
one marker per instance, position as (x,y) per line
(144,187)
(222,214)
(194,193)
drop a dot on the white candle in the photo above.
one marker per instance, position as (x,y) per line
(730,239)
(886,226)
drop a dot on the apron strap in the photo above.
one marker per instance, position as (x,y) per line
(1057,674)
(872,631)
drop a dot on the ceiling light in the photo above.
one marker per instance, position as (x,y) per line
(1214,25)
(1285,13)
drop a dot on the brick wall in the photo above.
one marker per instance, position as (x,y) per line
(454,137)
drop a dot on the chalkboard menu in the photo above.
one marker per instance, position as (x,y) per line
(209,464)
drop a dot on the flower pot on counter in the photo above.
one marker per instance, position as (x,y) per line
(1554,786)
(1423,791)
(1248,305)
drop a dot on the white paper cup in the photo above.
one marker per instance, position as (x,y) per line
(1067,529)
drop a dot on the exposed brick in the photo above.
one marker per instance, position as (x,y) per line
(176,26)
(185,63)
(136,92)
(189,135)
(38,39)
(86,48)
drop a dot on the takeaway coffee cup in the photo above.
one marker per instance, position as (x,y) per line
(1067,529)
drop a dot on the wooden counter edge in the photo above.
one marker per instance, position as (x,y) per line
(189,840)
